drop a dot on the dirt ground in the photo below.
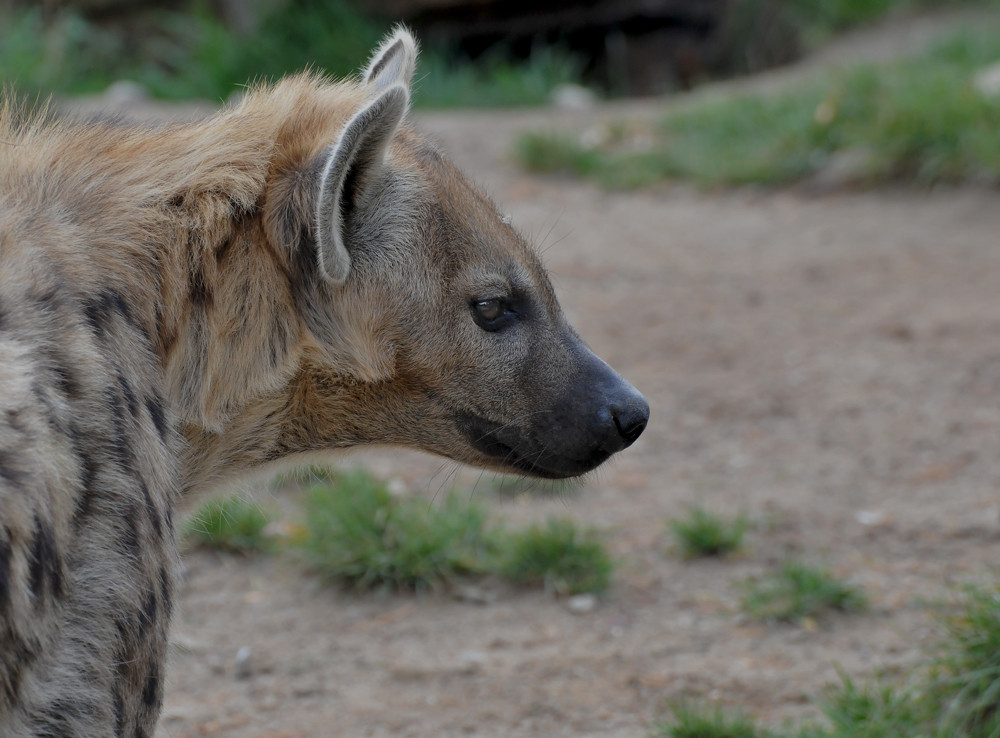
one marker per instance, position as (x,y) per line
(827,364)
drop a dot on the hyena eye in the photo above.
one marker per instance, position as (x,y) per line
(491,314)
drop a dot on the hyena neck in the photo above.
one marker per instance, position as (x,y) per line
(233,334)
(313,415)
(231,339)
(230,334)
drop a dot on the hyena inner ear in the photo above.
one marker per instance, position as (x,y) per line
(349,168)
(393,62)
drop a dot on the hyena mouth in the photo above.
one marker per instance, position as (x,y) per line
(512,449)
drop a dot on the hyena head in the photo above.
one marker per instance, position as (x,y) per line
(428,314)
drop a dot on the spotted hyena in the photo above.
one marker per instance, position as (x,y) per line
(182,304)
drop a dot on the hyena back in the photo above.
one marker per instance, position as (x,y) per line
(183,304)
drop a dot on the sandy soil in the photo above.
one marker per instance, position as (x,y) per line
(826,364)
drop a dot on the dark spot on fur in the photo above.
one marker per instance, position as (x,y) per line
(53,721)
(66,378)
(168,339)
(290,221)
(128,394)
(89,491)
(5,556)
(90,467)
(99,310)
(53,416)
(118,304)
(19,654)
(165,595)
(149,612)
(119,707)
(50,300)
(44,564)
(151,692)
(152,512)
(157,318)
(125,626)
(63,716)
(155,408)
(10,471)
(224,249)
(121,447)
(279,342)
(95,316)
(16,422)
(66,382)
(199,292)
(130,544)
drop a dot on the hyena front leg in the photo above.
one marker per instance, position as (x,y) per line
(86,555)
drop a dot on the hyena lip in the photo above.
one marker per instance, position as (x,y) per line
(498,442)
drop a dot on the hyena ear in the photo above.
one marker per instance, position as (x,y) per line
(349,168)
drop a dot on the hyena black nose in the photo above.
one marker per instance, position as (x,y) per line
(627,414)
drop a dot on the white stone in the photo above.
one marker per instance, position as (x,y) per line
(572,97)
(582,604)
(987,80)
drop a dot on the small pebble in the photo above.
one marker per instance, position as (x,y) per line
(987,80)
(471,661)
(581,604)
(125,92)
(474,594)
(243,666)
(573,97)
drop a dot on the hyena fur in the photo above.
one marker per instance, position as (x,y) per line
(186,303)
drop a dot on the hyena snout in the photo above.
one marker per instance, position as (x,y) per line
(603,413)
(587,414)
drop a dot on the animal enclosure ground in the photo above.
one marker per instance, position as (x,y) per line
(827,365)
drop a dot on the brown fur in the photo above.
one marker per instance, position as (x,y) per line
(173,313)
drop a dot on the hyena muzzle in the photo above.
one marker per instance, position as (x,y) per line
(186,303)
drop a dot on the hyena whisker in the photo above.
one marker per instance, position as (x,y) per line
(449,477)
(514,422)
(540,245)
(475,485)
(544,249)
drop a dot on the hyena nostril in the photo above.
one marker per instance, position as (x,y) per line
(631,419)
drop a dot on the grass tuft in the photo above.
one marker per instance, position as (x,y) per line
(704,534)
(360,534)
(559,556)
(692,720)
(229,524)
(797,592)
(875,711)
(965,672)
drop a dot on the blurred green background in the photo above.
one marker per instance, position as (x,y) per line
(498,53)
